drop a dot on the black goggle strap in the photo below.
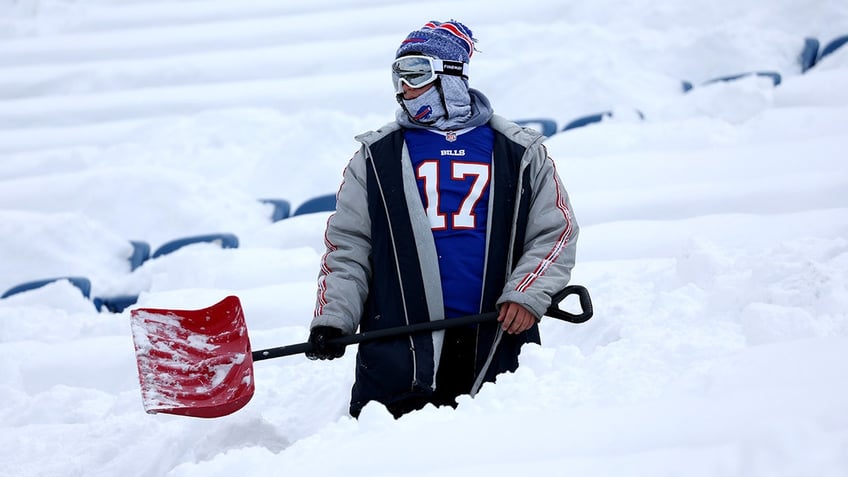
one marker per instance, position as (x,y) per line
(452,68)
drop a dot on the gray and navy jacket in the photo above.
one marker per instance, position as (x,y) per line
(381,269)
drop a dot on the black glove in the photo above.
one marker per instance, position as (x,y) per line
(319,338)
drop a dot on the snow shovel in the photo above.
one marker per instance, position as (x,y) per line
(199,363)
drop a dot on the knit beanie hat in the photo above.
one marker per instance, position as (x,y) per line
(444,40)
(451,105)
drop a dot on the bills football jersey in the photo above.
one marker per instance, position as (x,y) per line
(453,170)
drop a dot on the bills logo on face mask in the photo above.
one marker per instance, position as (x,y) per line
(424,112)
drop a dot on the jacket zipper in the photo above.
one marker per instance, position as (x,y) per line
(398,271)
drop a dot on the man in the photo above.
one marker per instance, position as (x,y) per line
(448,211)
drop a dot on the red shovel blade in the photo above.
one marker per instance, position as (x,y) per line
(193,362)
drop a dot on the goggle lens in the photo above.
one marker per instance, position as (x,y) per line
(415,71)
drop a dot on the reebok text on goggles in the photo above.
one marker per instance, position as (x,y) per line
(418,70)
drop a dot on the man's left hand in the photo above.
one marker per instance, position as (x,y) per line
(514,318)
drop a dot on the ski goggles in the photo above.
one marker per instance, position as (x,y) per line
(419,70)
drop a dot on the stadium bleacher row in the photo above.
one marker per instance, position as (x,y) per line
(141,252)
(811,54)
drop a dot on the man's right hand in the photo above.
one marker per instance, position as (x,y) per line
(320,337)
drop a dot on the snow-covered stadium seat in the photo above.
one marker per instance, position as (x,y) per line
(598,117)
(586,120)
(282,208)
(775,77)
(115,304)
(547,127)
(834,45)
(84,285)
(140,253)
(322,203)
(809,53)
(225,240)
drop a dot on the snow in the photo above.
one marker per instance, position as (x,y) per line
(714,239)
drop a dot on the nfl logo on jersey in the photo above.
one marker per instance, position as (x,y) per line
(450,136)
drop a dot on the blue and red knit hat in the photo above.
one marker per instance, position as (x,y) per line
(443,40)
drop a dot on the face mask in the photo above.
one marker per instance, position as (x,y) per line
(425,109)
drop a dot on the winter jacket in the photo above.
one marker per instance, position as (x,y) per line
(380,269)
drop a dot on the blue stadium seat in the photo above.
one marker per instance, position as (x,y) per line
(82,283)
(547,127)
(595,118)
(115,304)
(775,77)
(834,44)
(808,55)
(586,120)
(282,208)
(140,254)
(224,240)
(323,203)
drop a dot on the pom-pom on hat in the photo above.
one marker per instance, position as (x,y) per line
(443,40)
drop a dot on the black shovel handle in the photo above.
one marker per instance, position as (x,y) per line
(553,311)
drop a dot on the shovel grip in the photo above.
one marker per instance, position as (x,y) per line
(585,305)
(553,311)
